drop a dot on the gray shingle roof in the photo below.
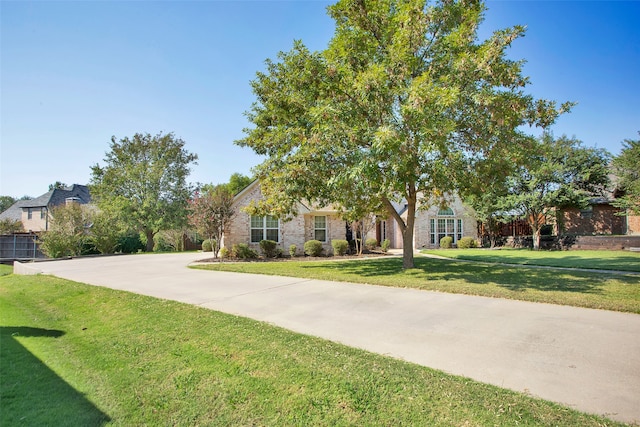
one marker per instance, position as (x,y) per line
(59,195)
(14,212)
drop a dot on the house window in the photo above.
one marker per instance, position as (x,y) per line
(587,212)
(29,213)
(447,226)
(320,228)
(43,213)
(265,228)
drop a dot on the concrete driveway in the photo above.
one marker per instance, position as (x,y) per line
(586,359)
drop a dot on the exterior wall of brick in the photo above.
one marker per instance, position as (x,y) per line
(422,231)
(633,224)
(599,219)
(301,228)
(294,232)
(39,219)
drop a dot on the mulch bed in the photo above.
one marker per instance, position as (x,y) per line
(298,258)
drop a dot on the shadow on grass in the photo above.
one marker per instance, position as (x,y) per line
(512,278)
(31,393)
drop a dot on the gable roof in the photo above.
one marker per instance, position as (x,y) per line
(58,196)
(14,213)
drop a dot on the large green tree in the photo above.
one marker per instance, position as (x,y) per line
(405,104)
(559,173)
(144,182)
(627,169)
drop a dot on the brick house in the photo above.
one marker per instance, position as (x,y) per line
(35,214)
(324,224)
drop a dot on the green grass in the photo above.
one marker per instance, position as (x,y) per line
(576,288)
(74,354)
(598,260)
(5,269)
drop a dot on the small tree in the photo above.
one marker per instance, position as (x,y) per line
(561,173)
(67,233)
(211,213)
(106,232)
(6,202)
(627,168)
(10,226)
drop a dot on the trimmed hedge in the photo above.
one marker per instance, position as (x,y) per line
(269,248)
(466,243)
(339,247)
(313,247)
(446,242)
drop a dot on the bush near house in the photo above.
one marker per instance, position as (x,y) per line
(313,248)
(466,243)
(269,248)
(339,247)
(292,250)
(370,244)
(243,251)
(224,253)
(386,244)
(446,242)
(207,246)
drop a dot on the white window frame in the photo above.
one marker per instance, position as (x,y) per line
(325,229)
(263,227)
(445,224)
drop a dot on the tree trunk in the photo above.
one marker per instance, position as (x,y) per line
(406,229)
(150,243)
(536,238)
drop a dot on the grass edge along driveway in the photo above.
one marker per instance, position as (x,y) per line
(117,358)
(583,259)
(554,286)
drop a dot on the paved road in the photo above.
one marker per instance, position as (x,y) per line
(586,359)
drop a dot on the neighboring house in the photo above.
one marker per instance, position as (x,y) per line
(324,224)
(35,214)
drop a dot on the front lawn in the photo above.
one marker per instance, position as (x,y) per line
(74,354)
(598,260)
(576,288)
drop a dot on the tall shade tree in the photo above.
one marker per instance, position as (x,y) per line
(144,182)
(560,173)
(405,104)
(627,169)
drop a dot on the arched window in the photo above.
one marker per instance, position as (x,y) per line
(445,225)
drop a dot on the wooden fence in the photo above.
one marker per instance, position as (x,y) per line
(20,246)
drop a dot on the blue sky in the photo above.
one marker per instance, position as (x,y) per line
(75,73)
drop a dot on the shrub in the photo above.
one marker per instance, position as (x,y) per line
(446,242)
(243,251)
(466,243)
(268,248)
(224,253)
(313,247)
(292,250)
(370,243)
(339,247)
(386,244)
(207,245)
(130,243)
